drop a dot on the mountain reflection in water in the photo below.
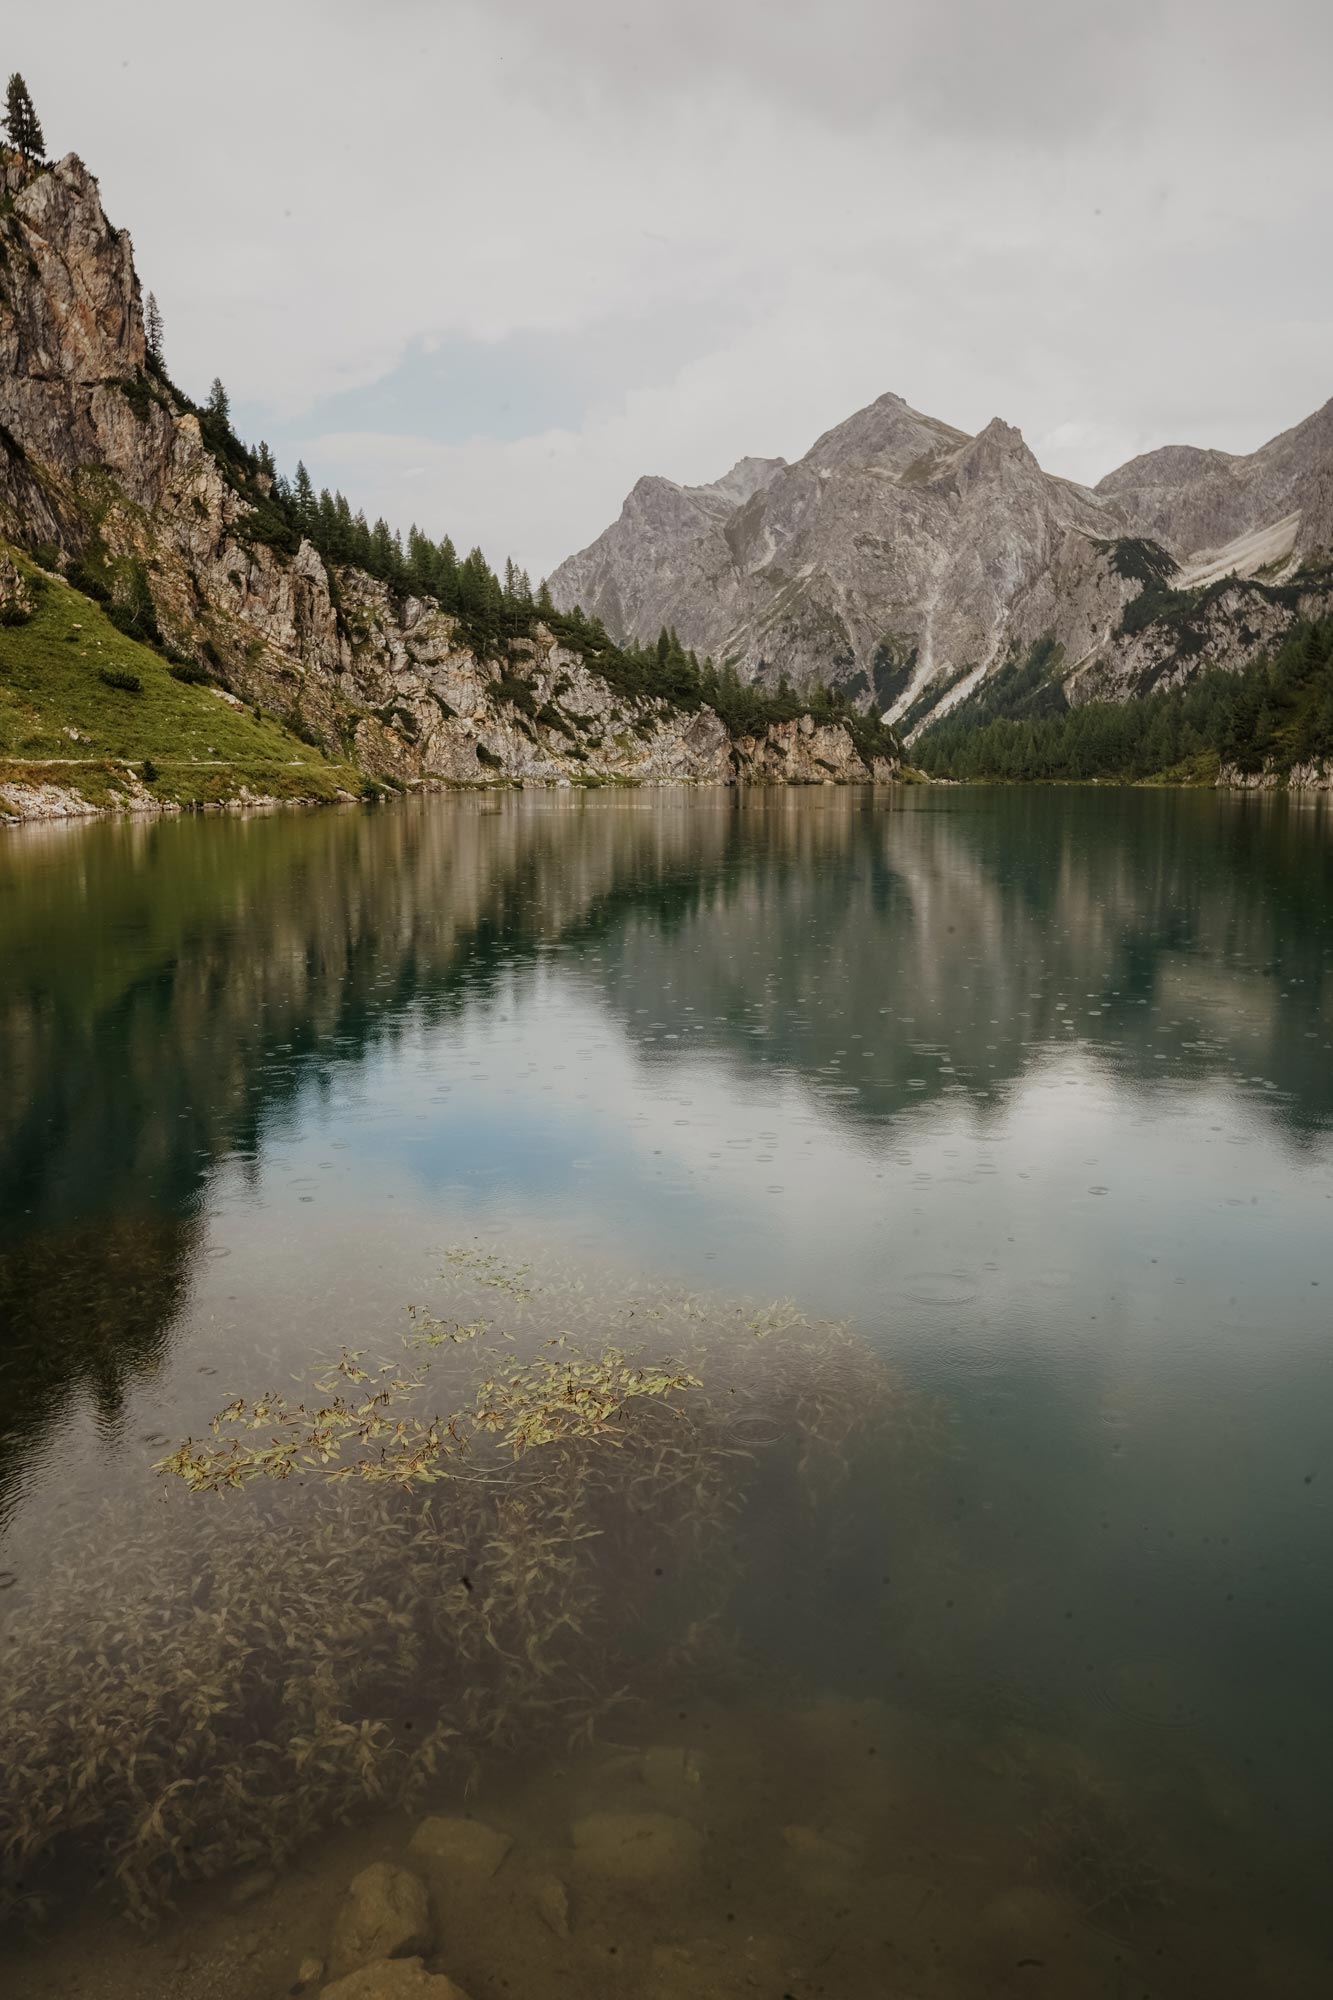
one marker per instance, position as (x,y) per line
(168,992)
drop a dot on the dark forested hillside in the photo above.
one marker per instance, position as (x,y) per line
(1274,715)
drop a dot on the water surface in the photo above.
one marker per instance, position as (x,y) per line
(1032,1089)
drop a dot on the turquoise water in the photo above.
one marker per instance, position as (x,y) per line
(1031,1089)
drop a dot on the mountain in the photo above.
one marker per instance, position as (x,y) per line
(1201,504)
(911,563)
(138,525)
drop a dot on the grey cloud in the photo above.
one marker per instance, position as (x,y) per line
(1031,71)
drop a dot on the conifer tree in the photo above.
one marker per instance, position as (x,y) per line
(303,499)
(21,121)
(152,330)
(219,404)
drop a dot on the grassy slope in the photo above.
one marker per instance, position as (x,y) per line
(204,748)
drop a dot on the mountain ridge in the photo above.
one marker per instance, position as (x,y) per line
(910,561)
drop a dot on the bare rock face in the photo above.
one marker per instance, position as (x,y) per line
(909,562)
(665,557)
(386,1914)
(1194,501)
(889,556)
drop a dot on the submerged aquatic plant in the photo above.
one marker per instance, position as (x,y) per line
(387,1594)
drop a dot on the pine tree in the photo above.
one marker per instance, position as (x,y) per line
(544,604)
(219,404)
(152,330)
(303,499)
(21,121)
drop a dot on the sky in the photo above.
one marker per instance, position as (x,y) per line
(483,265)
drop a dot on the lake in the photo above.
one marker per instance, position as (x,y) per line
(948,1609)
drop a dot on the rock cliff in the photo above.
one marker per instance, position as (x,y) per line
(103,466)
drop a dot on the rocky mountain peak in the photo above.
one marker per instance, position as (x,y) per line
(998,451)
(888,433)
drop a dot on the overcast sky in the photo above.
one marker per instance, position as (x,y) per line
(483,265)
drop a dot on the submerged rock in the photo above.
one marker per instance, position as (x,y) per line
(668,1768)
(637,1847)
(394,1979)
(386,1915)
(464,1844)
(823,1847)
(825,1857)
(551,1898)
(251,1887)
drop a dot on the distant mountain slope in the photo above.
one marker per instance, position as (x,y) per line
(909,562)
(1193,501)
(666,554)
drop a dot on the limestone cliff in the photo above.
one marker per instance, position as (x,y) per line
(102,464)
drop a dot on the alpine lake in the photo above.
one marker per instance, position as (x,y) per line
(738,1385)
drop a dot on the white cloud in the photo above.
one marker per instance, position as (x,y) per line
(1102,224)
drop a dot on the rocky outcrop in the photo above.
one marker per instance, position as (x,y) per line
(17,598)
(908,561)
(100,459)
(1227,626)
(803,752)
(1315,775)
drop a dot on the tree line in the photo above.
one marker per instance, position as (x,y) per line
(1276,713)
